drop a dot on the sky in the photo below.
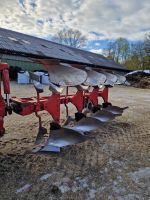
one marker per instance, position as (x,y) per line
(99,20)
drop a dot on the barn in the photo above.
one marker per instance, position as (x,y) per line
(16,49)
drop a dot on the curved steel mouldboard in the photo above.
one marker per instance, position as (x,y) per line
(94,78)
(63,74)
(121,79)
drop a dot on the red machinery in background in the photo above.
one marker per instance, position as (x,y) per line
(89,116)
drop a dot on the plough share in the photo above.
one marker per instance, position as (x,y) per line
(90,84)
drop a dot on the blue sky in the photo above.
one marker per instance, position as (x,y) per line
(99,20)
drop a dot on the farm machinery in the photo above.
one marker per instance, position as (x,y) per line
(90,84)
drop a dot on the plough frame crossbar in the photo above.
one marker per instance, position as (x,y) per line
(26,106)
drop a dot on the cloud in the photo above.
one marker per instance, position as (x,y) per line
(99,51)
(98,20)
(97,44)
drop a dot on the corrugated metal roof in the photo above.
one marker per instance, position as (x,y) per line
(25,45)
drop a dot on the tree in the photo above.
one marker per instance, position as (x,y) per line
(70,37)
(133,55)
(109,50)
(118,50)
(147,50)
(137,51)
(140,53)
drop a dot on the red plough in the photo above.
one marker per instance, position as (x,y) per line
(90,115)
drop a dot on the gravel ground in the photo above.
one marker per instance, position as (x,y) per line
(114,164)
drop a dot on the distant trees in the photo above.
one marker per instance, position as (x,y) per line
(118,50)
(147,50)
(137,54)
(70,37)
(140,54)
(133,55)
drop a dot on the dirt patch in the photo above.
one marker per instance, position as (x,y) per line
(139,81)
(112,165)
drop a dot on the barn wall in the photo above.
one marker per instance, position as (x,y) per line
(24,65)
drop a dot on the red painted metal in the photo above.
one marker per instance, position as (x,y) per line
(78,100)
(6,81)
(93,96)
(4,66)
(52,103)
(5,77)
(2,114)
(104,94)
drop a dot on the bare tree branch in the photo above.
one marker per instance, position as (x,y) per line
(70,37)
